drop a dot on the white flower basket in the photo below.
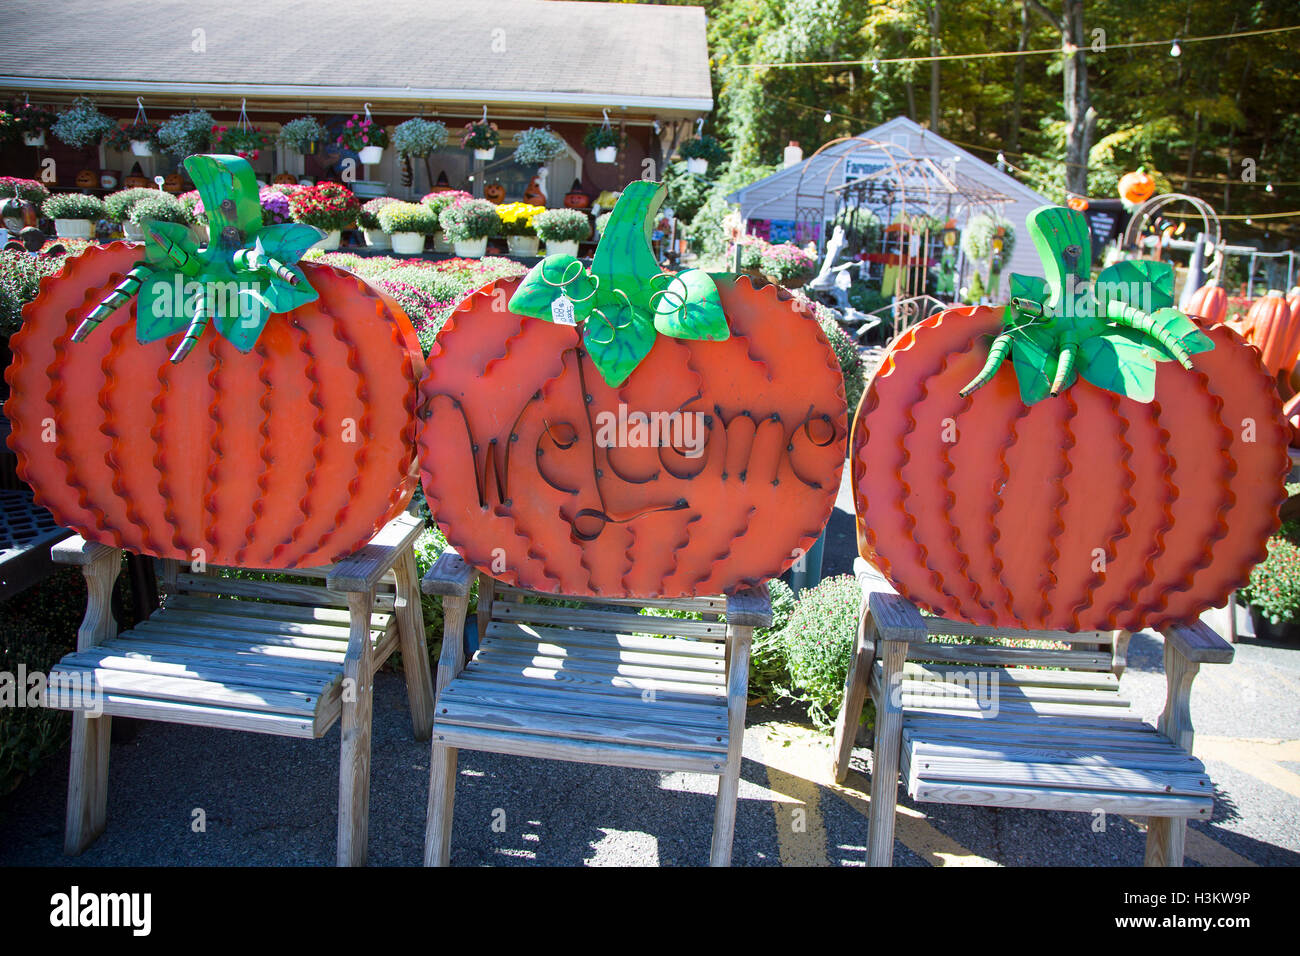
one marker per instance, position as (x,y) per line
(565,247)
(141,147)
(607,154)
(34,139)
(407,243)
(522,245)
(331,240)
(471,248)
(133,231)
(486,154)
(370,155)
(377,239)
(74,228)
(697,166)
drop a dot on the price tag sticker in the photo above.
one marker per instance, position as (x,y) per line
(562,311)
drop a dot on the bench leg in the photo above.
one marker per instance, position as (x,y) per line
(724,816)
(415,653)
(739,640)
(1166,838)
(855,694)
(354,756)
(884,758)
(87,782)
(442,800)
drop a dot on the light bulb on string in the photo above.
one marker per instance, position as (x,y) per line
(1268,188)
(1175,50)
(827,117)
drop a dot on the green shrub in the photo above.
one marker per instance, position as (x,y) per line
(81,124)
(845,349)
(1274,585)
(537,146)
(472,219)
(20,277)
(704,147)
(118,205)
(407,217)
(299,134)
(818,646)
(441,200)
(74,206)
(160,207)
(602,221)
(186,133)
(562,225)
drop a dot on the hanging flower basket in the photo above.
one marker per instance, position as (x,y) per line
(603,141)
(370,155)
(364,135)
(697,166)
(607,154)
(482,137)
(141,147)
(36,139)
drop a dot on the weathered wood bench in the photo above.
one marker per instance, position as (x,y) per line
(599,684)
(1047,728)
(239,654)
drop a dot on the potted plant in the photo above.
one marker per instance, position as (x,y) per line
(303,135)
(33,121)
(601,222)
(517,227)
(186,134)
(562,230)
(437,202)
(407,223)
(603,141)
(274,201)
(419,137)
(118,206)
(241,140)
(786,264)
(482,137)
(28,190)
(82,125)
(159,207)
(327,206)
(74,214)
(365,137)
(139,137)
(368,220)
(468,225)
(537,146)
(701,151)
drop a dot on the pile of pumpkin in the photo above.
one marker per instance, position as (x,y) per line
(1272,325)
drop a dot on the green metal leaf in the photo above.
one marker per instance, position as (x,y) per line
(1183,329)
(219,178)
(547,281)
(690,307)
(1064,247)
(617,339)
(624,258)
(1033,355)
(164,305)
(174,233)
(283,297)
(1120,361)
(287,241)
(1142,283)
(243,326)
(1033,288)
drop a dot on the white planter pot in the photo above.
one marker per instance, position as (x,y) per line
(486,154)
(377,239)
(407,243)
(440,242)
(74,228)
(331,240)
(141,147)
(567,247)
(370,155)
(697,166)
(133,231)
(34,139)
(471,248)
(607,154)
(522,245)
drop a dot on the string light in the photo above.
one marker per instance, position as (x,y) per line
(1175,50)
(1268,188)
(827,117)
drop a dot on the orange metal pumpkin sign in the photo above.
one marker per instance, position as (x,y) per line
(1271,328)
(577,455)
(1137,187)
(286,448)
(1004,498)
(1209,302)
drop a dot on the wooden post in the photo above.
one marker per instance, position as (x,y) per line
(855,693)
(724,813)
(415,652)
(1167,836)
(354,759)
(884,758)
(442,759)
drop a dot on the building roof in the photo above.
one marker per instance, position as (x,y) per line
(636,56)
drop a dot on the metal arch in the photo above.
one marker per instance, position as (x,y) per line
(1145,214)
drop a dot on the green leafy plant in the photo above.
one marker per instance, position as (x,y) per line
(441,200)
(767,668)
(1274,585)
(160,207)
(537,146)
(818,646)
(20,277)
(245,141)
(844,347)
(303,134)
(362,131)
(407,217)
(703,147)
(562,225)
(784,262)
(602,221)
(977,237)
(419,137)
(186,134)
(600,137)
(73,206)
(32,118)
(368,217)
(30,190)
(120,138)
(117,206)
(82,125)
(480,135)
(326,206)
(472,219)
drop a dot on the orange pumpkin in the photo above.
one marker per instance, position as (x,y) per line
(1270,327)
(135,181)
(1209,302)
(87,179)
(494,193)
(290,455)
(1136,187)
(1293,299)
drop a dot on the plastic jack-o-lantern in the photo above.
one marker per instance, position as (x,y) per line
(494,193)
(87,179)
(284,437)
(575,198)
(1103,463)
(624,432)
(1136,187)
(174,184)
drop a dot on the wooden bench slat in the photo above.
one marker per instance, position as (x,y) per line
(184,642)
(176,712)
(593,683)
(226,672)
(935,704)
(1016,692)
(704,605)
(185,617)
(573,651)
(603,669)
(1010,656)
(579,751)
(615,621)
(1083,753)
(683,647)
(249,639)
(274,591)
(514,697)
(1047,798)
(1016,773)
(229,695)
(1022,675)
(273,612)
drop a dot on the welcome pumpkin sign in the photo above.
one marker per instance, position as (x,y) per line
(621,431)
